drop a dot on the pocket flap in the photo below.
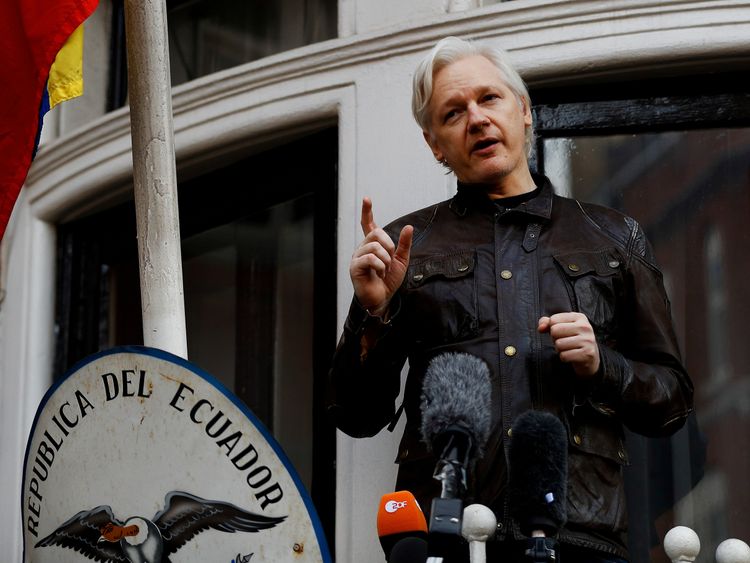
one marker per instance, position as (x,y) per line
(597,441)
(601,262)
(450,266)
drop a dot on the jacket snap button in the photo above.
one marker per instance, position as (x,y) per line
(506,274)
(418,277)
(510,432)
(577,439)
(621,455)
(573,267)
(510,351)
(463,268)
(613,263)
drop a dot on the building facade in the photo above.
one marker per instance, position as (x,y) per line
(286,116)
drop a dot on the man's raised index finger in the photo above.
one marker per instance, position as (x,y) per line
(367,221)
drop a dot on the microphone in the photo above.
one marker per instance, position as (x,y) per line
(455,415)
(400,518)
(537,484)
(409,550)
(455,410)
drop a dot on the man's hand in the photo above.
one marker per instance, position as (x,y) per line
(378,267)
(574,341)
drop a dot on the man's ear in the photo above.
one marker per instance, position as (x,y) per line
(527,119)
(433,146)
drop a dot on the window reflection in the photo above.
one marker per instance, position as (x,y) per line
(716,308)
(208,36)
(691,193)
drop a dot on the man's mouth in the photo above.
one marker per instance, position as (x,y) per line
(483,145)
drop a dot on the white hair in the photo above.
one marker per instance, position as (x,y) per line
(449,50)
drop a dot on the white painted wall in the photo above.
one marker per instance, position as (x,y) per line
(361,81)
(26,348)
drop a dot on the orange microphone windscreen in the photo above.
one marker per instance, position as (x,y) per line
(400,513)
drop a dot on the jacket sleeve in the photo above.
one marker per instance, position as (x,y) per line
(365,378)
(644,381)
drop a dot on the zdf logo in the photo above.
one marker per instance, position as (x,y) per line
(393,505)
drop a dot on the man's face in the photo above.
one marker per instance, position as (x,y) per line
(477,124)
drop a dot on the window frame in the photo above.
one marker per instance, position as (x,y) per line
(665,104)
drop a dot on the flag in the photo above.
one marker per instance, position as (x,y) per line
(66,74)
(31,39)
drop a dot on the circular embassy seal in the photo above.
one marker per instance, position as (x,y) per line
(138,456)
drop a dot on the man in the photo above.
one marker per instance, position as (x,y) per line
(561,299)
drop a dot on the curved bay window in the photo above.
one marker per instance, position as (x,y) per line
(206,36)
(675,155)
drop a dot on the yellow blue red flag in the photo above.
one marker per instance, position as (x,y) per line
(33,35)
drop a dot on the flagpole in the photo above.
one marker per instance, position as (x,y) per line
(155,176)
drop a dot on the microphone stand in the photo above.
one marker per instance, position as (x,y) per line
(542,549)
(446,515)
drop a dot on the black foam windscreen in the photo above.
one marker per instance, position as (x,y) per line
(456,393)
(409,550)
(538,467)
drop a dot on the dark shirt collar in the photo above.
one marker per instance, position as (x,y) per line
(511,202)
(475,196)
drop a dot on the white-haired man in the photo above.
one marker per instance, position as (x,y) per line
(561,299)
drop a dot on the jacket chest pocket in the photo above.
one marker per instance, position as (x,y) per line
(442,297)
(594,282)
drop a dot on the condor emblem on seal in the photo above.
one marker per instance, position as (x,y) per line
(138,456)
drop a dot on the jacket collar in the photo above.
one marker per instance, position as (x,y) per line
(471,196)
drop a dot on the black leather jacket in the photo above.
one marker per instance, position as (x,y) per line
(479,278)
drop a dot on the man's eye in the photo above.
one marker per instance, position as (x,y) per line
(450,115)
(490,97)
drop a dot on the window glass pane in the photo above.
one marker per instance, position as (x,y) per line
(209,269)
(261,264)
(690,191)
(206,36)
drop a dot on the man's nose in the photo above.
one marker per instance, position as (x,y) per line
(477,118)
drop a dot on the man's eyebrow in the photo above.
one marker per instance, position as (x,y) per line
(457,98)
(453,100)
